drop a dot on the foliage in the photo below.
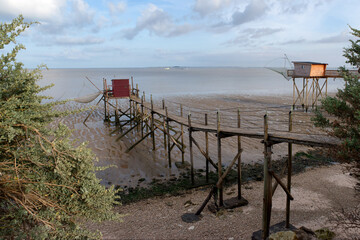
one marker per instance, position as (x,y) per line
(345,107)
(47,185)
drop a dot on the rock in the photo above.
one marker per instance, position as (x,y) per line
(324,234)
(285,235)
(188,203)
(141,180)
(248,187)
(191,227)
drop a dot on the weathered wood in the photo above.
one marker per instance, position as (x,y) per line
(152,124)
(191,151)
(281,184)
(182,136)
(220,189)
(239,158)
(207,199)
(267,182)
(289,172)
(124,134)
(164,120)
(223,176)
(207,150)
(282,172)
(137,142)
(142,116)
(168,137)
(204,153)
(295,138)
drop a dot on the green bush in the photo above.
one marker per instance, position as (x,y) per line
(47,186)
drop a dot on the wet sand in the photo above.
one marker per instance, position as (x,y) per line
(143,163)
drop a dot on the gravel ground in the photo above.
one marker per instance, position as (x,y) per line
(319,194)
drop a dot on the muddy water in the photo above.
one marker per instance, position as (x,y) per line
(142,162)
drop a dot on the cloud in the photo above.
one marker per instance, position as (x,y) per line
(338,38)
(261,32)
(254,10)
(35,9)
(116,8)
(69,40)
(206,7)
(55,16)
(157,22)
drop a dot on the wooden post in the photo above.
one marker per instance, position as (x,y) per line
(142,117)
(289,172)
(137,90)
(105,98)
(207,148)
(191,151)
(239,159)
(168,137)
(131,112)
(294,84)
(182,137)
(152,123)
(163,107)
(132,85)
(220,189)
(267,182)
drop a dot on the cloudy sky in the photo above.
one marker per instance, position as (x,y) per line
(142,33)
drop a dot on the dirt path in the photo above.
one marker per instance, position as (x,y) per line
(318,193)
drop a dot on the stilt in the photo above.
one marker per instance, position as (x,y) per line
(191,151)
(207,149)
(239,159)
(142,117)
(168,136)
(267,182)
(289,172)
(152,123)
(163,107)
(182,137)
(220,188)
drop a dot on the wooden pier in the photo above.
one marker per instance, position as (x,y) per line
(148,118)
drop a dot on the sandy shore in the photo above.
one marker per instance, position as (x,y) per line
(319,194)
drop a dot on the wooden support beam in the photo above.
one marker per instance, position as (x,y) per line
(207,150)
(204,153)
(152,124)
(163,107)
(282,172)
(281,184)
(217,185)
(267,204)
(129,130)
(289,172)
(137,142)
(220,189)
(182,136)
(191,151)
(168,136)
(239,158)
(142,117)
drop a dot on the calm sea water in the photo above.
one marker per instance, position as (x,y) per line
(70,83)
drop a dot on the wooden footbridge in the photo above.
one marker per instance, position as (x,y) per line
(147,118)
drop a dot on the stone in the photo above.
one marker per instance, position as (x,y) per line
(285,235)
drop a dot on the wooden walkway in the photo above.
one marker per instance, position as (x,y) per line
(142,114)
(288,137)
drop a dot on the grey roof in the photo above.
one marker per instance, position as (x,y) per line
(313,63)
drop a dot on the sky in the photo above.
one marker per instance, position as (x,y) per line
(198,33)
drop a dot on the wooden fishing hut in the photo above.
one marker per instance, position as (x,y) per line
(314,83)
